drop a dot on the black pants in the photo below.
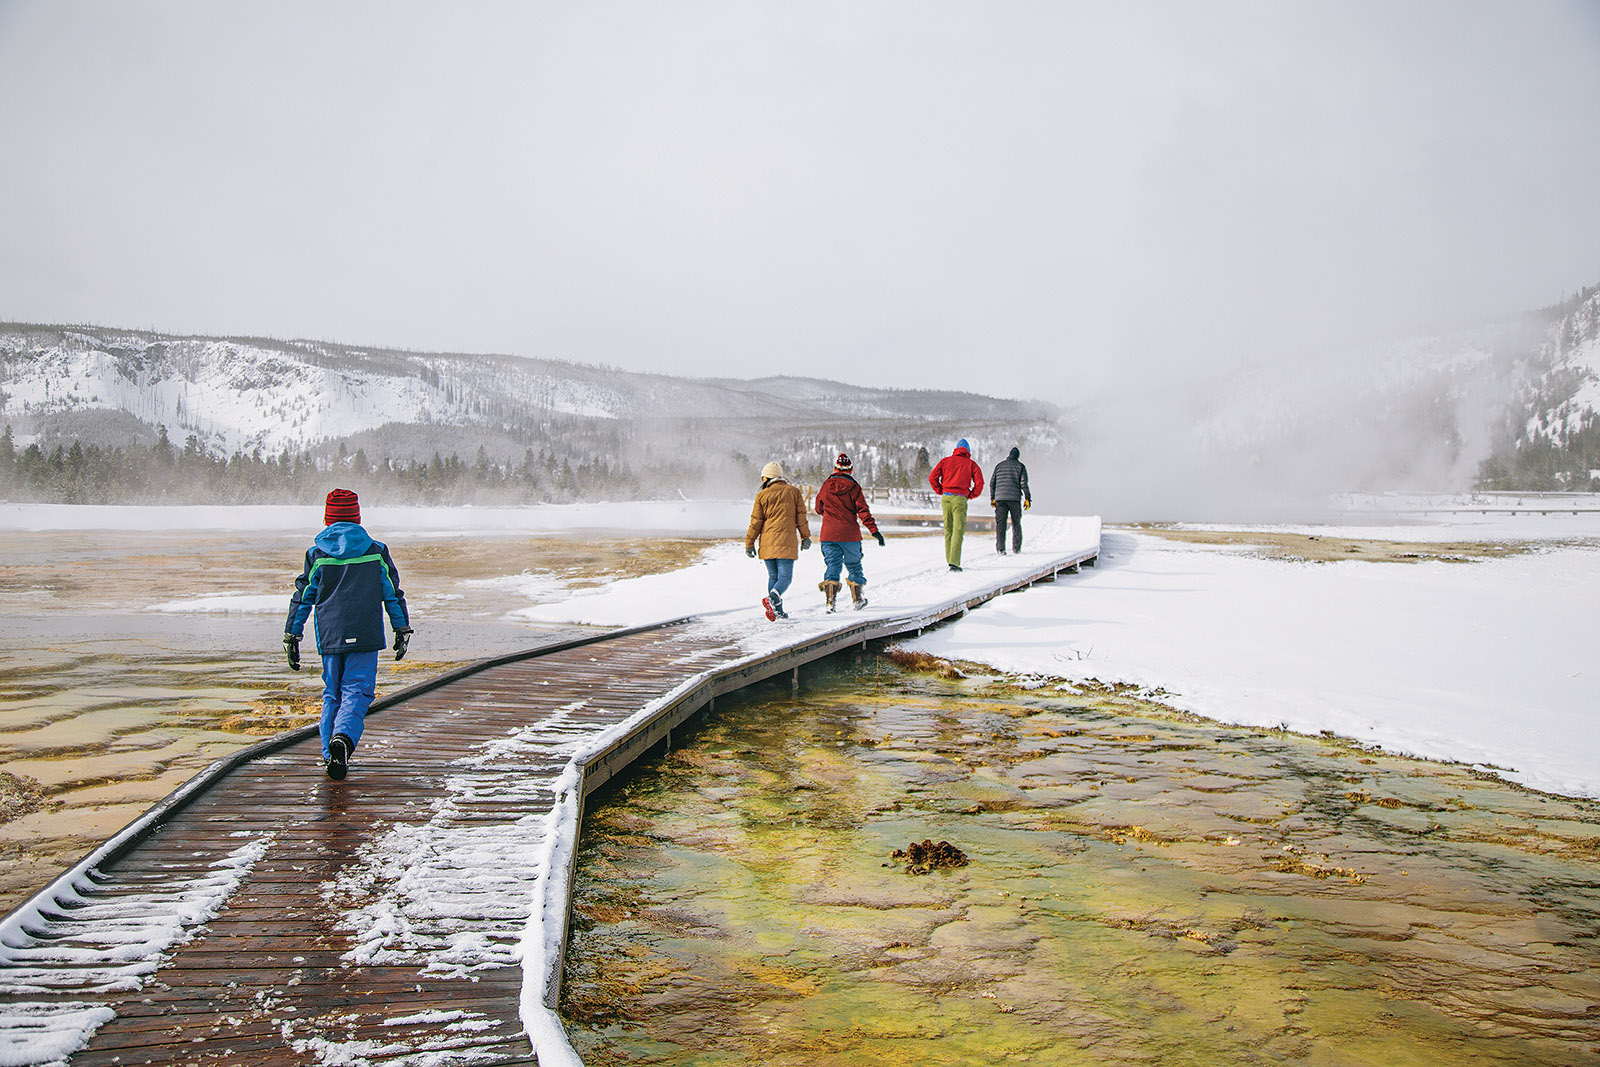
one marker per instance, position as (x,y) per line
(1001,509)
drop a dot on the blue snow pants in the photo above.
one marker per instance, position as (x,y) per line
(836,554)
(349,682)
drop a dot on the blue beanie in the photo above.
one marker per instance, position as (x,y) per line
(963,444)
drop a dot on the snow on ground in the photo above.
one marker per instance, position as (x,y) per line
(224,603)
(908,570)
(1488,662)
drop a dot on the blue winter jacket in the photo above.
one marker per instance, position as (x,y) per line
(350,580)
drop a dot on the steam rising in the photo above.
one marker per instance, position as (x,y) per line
(1276,441)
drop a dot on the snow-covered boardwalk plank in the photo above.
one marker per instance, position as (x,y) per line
(415,913)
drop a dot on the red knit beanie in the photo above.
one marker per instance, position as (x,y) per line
(341,506)
(842,463)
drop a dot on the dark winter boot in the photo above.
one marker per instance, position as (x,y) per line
(857,600)
(829,591)
(777,604)
(338,757)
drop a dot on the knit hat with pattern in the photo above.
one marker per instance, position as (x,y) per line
(842,463)
(341,506)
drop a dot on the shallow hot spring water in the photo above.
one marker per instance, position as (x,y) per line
(1140,889)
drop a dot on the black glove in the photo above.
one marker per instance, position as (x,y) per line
(879,536)
(402,638)
(291,651)
(750,551)
(805,543)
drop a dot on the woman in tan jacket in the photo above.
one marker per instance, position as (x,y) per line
(778,522)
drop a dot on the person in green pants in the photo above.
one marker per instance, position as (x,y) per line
(957,479)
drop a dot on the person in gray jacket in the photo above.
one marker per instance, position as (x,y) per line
(1009,496)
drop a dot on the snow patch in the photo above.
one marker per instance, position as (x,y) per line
(227,604)
(114,942)
(44,1035)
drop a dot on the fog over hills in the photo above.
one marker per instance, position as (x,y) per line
(1512,404)
(225,396)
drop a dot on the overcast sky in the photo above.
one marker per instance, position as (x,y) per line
(1027,199)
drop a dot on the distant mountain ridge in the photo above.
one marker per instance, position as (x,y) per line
(1509,405)
(232,395)
(244,393)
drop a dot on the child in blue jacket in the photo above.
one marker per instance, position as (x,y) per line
(350,580)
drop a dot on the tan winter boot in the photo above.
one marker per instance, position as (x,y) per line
(829,590)
(857,601)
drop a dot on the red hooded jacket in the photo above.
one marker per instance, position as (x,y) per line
(839,502)
(956,473)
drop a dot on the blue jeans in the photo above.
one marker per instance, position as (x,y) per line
(780,572)
(842,553)
(349,682)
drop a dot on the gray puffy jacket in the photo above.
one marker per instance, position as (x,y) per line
(1010,480)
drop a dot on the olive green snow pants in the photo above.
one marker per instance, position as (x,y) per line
(955,526)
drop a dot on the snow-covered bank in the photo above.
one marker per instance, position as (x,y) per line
(1486,662)
(1490,663)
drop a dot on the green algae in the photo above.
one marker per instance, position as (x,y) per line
(1142,887)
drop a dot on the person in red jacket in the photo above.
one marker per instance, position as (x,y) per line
(957,480)
(840,502)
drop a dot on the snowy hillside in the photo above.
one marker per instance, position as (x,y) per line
(1549,437)
(1566,369)
(238,395)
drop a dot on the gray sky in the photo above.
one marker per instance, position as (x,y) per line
(1027,199)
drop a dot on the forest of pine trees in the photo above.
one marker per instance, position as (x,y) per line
(1547,462)
(165,474)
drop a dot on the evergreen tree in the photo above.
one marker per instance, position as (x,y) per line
(8,460)
(163,450)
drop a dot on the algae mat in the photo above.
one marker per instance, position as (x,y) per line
(1141,888)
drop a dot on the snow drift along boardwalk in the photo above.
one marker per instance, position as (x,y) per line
(416,912)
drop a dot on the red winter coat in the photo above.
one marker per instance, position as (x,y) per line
(956,473)
(839,502)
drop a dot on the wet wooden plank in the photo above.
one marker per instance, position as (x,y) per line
(273,969)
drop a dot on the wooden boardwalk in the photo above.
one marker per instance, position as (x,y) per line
(412,914)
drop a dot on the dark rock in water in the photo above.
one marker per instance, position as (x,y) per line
(927,856)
